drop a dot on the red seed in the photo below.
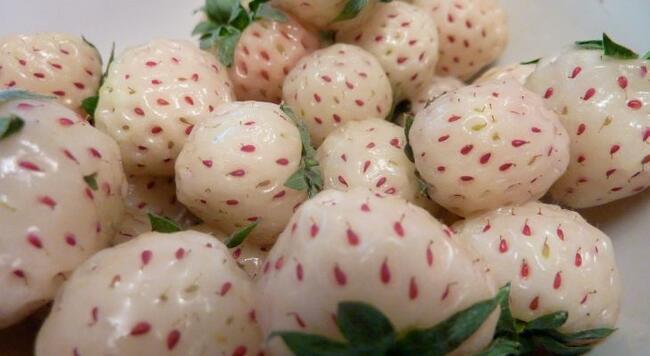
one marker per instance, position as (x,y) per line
(381,182)
(506,166)
(162,102)
(614,149)
(156,130)
(140,328)
(232,202)
(366,164)
(353,238)
(413,289)
(64,121)
(343,181)
(524,269)
(189,100)
(180,253)
(282,161)
(225,288)
(560,233)
(207,163)
(46,200)
(503,246)
(138,111)
(384,272)
(485,158)
(589,94)
(172,339)
(248,148)
(622,82)
(581,129)
(317,98)
(237,173)
(299,272)
(94,314)
(399,229)
(466,178)
(145,256)
(557,281)
(634,104)
(313,230)
(339,276)
(578,259)
(548,93)
(35,241)
(279,194)
(429,256)
(519,143)
(240,351)
(526,229)
(359,102)
(575,72)
(453,118)
(29,166)
(443,138)
(466,149)
(279,263)
(534,304)
(70,239)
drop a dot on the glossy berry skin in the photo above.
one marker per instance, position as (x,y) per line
(604,103)
(473,33)
(369,154)
(150,195)
(336,85)
(436,87)
(266,52)
(53,64)
(405,41)
(249,256)
(152,98)
(516,71)
(160,294)
(484,146)
(554,260)
(233,169)
(51,219)
(366,247)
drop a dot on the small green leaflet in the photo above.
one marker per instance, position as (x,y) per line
(502,347)
(15,94)
(367,331)
(609,47)
(534,61)
(548,322)
(88,42)
(646,56)
(238,237)
(227,20)
(10,125)
(89,104)
(308,176)
(408,150)
(351,10)
(162,224)
(91,181)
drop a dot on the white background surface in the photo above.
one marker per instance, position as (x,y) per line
(537,27)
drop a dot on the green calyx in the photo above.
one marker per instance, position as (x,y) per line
(238,237)
(517,337)
(609,48)
(10,125)
(226,20)
(89,104)
(367,331)
(308,176)
(162,224)
(352,8)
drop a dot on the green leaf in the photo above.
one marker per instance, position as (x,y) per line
(646,56)
(15,94)
(307,345)
(89,43)
(506,324)
(548,322)
(534,61)
(351,10)
(592,335)
(361,323)
(238,237)
(408,150)
(423,187)
(297,181)
(557,348)
(615,50)
(162,224)
(204,27)
(226,45)
(90,105)
(111,58)
(10,125)
(221,11)
(91,181)
(451,333)
(590,44)
(266,11)
(502,347)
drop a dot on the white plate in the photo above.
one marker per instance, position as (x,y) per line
(536,28)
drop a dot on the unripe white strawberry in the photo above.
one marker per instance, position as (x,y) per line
(436,87)
(369,154)
(323,14)
(61,197)
(53,64)
(484,146)
(177,294)
(152,98)
(150,195)
(473,33)
(514,71)
(554,260)
(249,256)
(604,103)
(335,85)
(365,247)
(266,52)
(405,41)
(233,169)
